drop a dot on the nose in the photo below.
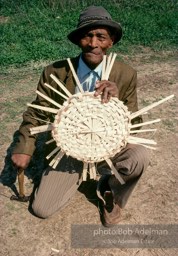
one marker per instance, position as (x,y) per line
(93,42)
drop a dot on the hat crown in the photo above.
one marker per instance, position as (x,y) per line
(93,17)
(93,13)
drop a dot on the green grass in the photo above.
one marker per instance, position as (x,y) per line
(37,30)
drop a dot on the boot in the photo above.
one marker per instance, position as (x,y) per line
(110,211)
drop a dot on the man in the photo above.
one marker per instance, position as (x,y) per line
(95,34)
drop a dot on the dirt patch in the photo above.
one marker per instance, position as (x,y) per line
(154,201)
(4,19)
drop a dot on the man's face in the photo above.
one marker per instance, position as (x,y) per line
(94,44)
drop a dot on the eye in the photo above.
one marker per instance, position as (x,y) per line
(101,37)
(85,35)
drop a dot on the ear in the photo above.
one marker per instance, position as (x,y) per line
(112,41)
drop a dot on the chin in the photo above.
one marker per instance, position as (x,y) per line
(93,61)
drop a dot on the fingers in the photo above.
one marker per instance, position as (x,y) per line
(107,90)
(105,97)
(100,86)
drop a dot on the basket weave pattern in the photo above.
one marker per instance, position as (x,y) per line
(90,131)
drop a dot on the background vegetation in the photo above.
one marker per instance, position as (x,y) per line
(34,30)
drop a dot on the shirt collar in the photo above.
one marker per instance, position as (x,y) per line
(83,69)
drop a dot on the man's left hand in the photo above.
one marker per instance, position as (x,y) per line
(107,90)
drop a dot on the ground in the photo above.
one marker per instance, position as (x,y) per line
(154,201)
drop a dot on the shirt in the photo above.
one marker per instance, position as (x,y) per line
(87,76)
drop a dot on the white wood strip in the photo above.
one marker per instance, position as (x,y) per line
(41,120)
(58,159)
(53,152)
(155,104)
(51,110)
(49,141)
(91,170)
(141,140)
(145,123)
(145,130)
(110,66)
(109,61)
(85,169)
(39,129)
(144,145)
(49,99)
(103,68)
(115,172)
(61,85)
(75,76)
(59,93)
(94,171)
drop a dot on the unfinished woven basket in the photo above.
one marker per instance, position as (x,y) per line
(90,131)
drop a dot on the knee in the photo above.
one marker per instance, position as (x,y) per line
(133,160)
(140,154)
(40,211)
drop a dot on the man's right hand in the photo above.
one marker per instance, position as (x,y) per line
(21,160)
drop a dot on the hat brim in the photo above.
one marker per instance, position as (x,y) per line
(115,28)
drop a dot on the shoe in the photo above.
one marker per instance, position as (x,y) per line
(110,212)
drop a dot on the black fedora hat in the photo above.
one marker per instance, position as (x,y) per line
(95,16)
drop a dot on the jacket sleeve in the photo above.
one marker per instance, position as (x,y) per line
(130,96)
(33,117)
